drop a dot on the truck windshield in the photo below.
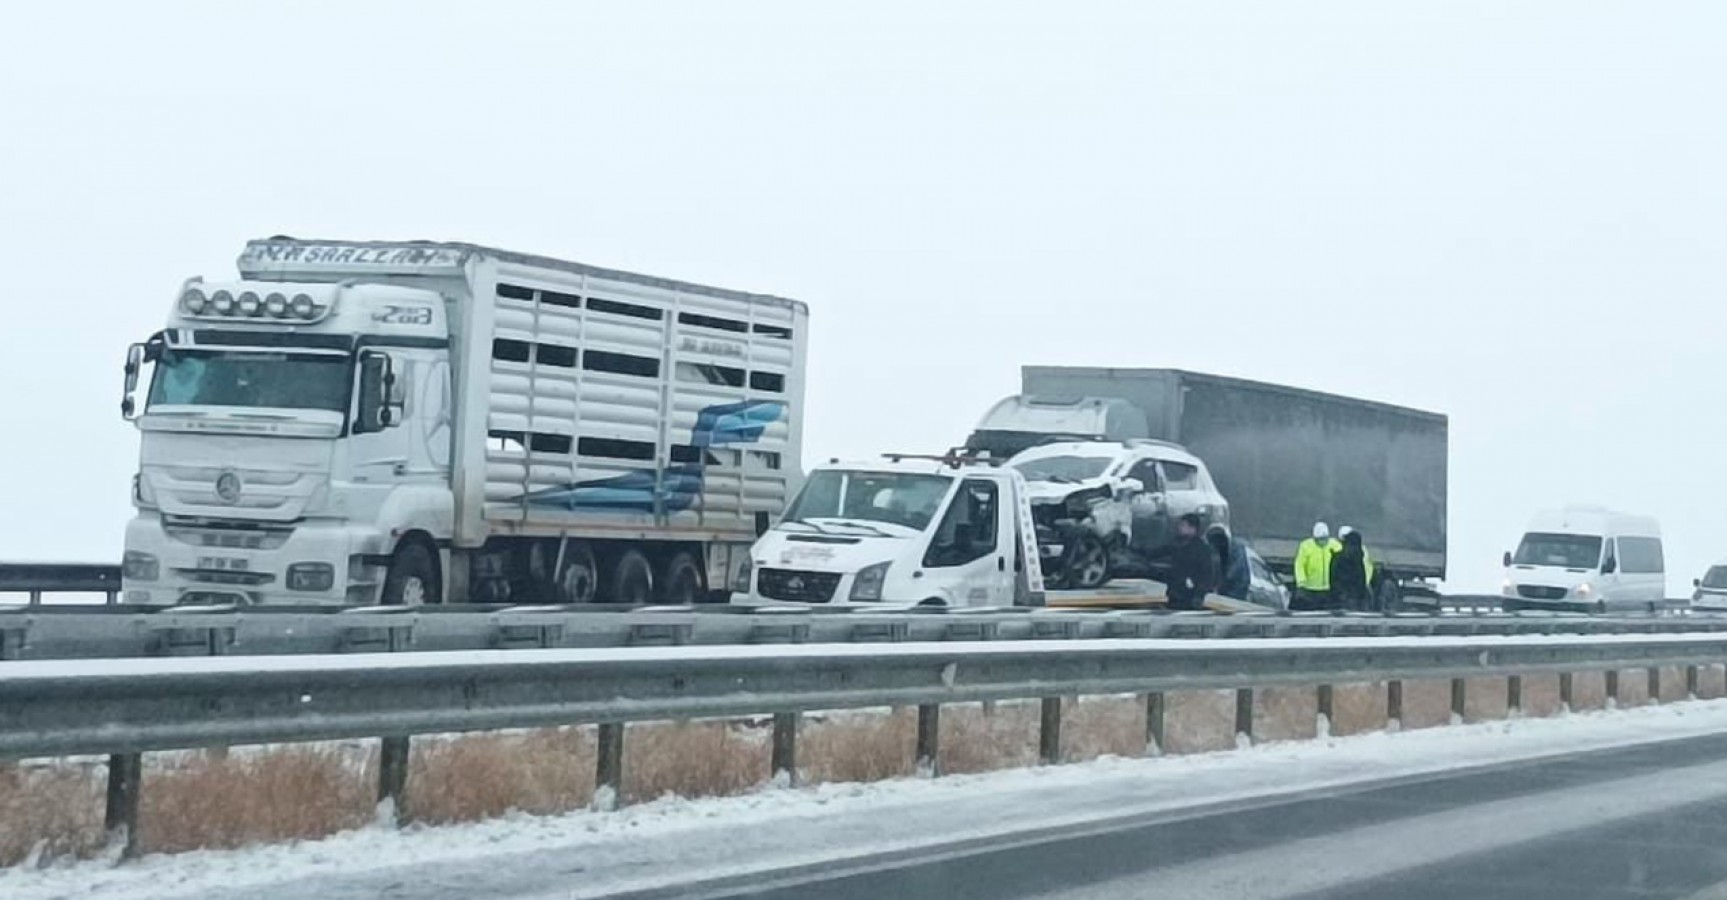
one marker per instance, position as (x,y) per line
(1566,551)
(907,500)
(1063,468)
(240,378)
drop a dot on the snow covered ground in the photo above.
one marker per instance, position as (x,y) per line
(673,841)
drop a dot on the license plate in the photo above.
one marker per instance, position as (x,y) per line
(224,563)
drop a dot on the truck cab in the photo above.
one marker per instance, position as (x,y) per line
(943,531)
(294,437)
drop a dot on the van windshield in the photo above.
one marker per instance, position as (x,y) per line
(1565,551)
(907,500)
(1716,577)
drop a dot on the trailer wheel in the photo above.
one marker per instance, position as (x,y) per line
(1085,565)
(580,579)
(413,577)
(632,580)
(681,582)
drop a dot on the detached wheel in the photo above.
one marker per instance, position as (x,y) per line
(1085,562)
(632,580)
(579,582)
(413,577)
(682,583)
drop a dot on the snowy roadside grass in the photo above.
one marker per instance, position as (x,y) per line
(764,829)
(51,811)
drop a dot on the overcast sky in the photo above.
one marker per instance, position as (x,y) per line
(1514,214)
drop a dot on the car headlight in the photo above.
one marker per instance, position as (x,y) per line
(1507,588)
(136,566)
(1585,589)
(867,584)
(741,578)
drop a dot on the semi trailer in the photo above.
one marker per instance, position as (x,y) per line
(418,422)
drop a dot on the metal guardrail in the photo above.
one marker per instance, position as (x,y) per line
(36,579)
(113,633)
(127,707)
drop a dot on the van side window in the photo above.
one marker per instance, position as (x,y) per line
(1640,555)
(968,530)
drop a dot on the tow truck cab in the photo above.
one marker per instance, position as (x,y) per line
(937,531)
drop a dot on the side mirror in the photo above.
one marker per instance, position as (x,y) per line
(376,412)
(1696,582)
(1130,486)
(134,366)
(1610,566)
(1507,562)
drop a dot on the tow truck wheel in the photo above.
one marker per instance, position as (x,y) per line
(681,583)
(580,579)
(413,577)
(632,580)
(1085,565)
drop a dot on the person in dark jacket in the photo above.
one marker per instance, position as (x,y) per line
(1349,574)
(1193,565)
(1236,576)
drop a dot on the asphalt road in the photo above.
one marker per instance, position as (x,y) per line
(1643,822)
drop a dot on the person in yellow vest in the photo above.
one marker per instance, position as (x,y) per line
(1313,569)
(1366,557)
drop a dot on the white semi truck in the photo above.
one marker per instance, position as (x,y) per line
(415,422)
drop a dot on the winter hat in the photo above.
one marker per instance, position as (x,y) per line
(1321,531)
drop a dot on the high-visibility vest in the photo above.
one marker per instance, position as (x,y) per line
(1313,564)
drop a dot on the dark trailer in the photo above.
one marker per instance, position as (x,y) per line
(1286,457)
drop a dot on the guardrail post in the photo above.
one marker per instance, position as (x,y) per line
(1513,696)
(1244,716)
(785,754)
(1654,684)
(125,781)
(1612,688)
(1393,705)
(393,774)
(1326,703)
(1565,692)
(608,765)
(1459,697)
(35,596)
(1691,682)
(929,739)
(1049,732)
(1155,705)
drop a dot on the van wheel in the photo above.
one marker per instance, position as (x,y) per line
(580,579)
(1085,564)
(413,577)
(681,583)
(632,580)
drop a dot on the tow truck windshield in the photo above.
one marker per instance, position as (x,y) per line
(250,379)
(907,500)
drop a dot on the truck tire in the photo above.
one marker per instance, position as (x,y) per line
(1085,562)
(413,577)
(579,582)
(632,580)
(681,583)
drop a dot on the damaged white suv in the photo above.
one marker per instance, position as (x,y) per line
(1108,508)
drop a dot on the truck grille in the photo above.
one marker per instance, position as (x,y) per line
(1540,592)
(797,586)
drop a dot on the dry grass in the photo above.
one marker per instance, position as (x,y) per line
(272,794)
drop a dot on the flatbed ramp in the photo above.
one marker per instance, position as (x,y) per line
(1126,593)
(1139,593)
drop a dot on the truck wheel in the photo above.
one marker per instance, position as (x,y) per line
(413,577)
(580,579)
(632,580)
(1085,565)
(681,583)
